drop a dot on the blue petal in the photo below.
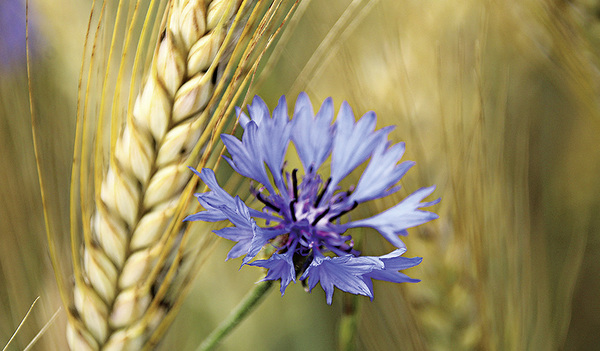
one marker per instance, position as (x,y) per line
(243,118)
(244,231)
(260,239)
(312,135)
(208,177)
(243,237)
(392,275)
(250,237)
(274,137)
(258,110)
(280,266)
(247,155)
(381,173)
(214,200)
(353,143)
(344,272)
(212,215)
(220,206)
(392,264)
(396,220)
(265,139)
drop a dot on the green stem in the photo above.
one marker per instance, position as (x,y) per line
(249,302)
(348,324)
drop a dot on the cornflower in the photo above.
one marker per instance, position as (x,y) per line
(306,218)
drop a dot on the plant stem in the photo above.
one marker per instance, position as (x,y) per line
(348,324)
(249,302)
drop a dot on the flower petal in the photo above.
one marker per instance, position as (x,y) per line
(247,156)
(242,117)
(265,139)
(392,264)
(396,220)
(381,173)
(260,239)
(353,143)
(258,110)
(274,137)
(250,237)
(344,272)
(312,135)
(243,237)
(214,200)
(280,266)
(244,231)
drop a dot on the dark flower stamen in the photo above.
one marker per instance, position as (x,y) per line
(295,182)
(266,202)
(343,212)
(318,218)
(322,192)
(293,210)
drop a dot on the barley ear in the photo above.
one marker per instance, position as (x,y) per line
(129,275)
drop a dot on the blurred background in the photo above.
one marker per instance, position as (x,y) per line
(498,105)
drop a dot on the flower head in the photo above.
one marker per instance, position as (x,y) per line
(306,216)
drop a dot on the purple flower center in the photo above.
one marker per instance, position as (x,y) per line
(306,216)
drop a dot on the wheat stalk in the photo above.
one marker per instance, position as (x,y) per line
(147,173)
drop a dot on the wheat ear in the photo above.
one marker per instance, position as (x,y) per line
(146,174)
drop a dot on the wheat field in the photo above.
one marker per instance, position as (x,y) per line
(497,103)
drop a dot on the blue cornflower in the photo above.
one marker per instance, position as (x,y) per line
(304,216)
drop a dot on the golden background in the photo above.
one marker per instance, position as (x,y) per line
(497,101)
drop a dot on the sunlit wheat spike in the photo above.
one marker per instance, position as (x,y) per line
(135,261)
(146,175)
